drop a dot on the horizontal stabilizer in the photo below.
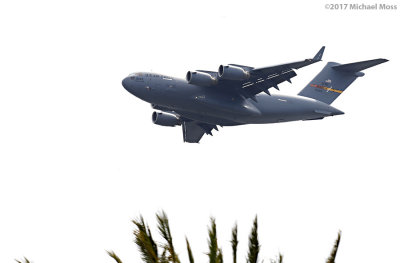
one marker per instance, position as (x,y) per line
(358,66)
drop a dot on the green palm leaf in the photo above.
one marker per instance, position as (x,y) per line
(334,250)
(163,228)
(114,256)
(220,258)
(212,242)
(254,246)
(234,242)
(278,260)
(24,261)
(145,242)
(189,250)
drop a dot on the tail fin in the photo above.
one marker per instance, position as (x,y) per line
(335,78)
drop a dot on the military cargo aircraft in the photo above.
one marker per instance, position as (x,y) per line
(237,95)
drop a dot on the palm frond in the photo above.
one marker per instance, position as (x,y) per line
(163,257)
(234,242)
(25,260)
(220,257)
(153,244)
(212,242)
(254,246)
(145,242)
(279,259)
(189,250)
(114,256)
(163,228)
(334,250)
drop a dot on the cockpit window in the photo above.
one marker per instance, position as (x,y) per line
(136,77)
(132,75)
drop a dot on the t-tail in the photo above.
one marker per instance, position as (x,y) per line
(335,78)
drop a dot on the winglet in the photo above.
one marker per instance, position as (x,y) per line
(318,56)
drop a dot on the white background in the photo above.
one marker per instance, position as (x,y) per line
(80,157)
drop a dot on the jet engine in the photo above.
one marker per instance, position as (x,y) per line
(165,119)
(232,73)
(200,78)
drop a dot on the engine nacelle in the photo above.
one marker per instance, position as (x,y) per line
(165,119)
(232,73)
(200,78)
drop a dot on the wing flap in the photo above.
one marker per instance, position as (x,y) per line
(262,85)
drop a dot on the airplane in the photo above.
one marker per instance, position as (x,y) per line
(238,95)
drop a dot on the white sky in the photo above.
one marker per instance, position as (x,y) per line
(80,157)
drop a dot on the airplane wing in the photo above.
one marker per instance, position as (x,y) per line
(261,79)
(193,131)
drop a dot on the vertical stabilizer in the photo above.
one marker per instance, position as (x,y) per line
(335,78)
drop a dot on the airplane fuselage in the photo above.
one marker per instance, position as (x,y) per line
(220,105)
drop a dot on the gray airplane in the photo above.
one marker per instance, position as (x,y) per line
(237,95)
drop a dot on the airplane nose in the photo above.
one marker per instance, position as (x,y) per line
(124,83)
